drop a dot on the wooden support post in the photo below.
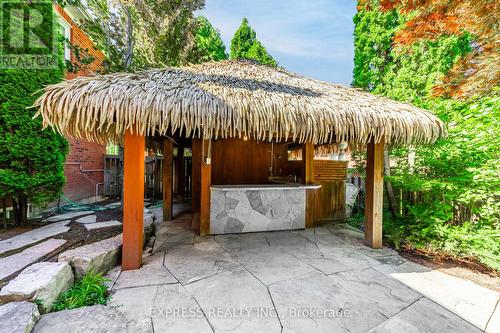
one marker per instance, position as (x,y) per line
(181,183)
(206,181)
(167,177)
(133,201)
(196,174)
(374,194)
(307,178)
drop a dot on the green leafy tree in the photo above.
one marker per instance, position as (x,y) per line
(142,34)
(449,193)
(373,34)
(31,159)
(208,43)
(245,45)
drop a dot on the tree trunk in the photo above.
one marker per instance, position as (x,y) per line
(388,186)
(20,207)
(4,201)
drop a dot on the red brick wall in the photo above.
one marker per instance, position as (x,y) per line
(84,168)
(78,37)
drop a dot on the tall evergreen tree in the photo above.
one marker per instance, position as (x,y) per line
(31,159)
(208,43)
(245,45)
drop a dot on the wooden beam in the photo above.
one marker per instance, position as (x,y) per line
(307,178)
(180,171)
(167,178)
(374,194)
(133,201)
(206,180)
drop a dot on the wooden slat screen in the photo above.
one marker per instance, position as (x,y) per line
(327,170)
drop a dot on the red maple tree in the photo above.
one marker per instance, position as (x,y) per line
(474,74)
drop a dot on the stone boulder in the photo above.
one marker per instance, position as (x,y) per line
(98,257)
(42,282)
(96,319)
(18,317)
(149,218)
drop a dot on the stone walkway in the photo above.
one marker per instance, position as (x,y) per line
(33,236)
(315,280)
(16,262)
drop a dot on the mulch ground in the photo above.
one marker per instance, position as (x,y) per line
(77,235)
(465,269)
(110,214)
(14,231)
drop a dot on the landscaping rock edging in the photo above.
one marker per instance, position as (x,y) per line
(98,257)
(96,318)
(42,282)
(16,262)
(18,317)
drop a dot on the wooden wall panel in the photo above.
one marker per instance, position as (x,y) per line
(330,198)
(243,162)
(330,201)
(327,170)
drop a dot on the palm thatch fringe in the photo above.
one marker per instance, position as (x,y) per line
(229,99)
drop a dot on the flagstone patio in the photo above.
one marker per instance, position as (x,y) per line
(315,280)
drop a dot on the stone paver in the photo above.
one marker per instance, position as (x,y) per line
(425,316)
(239,242)
(170,235)
(67,216)
(194,262)
(340,259)
(98,257)
(137,305)
(18,317)
(16,262)
(87,219)
(42,282)
(470,301)
(294,243)
(33,236)
(167,316)
(95,319)
(230,291)
(345,309)
(388,296)
(151,273)
(101,225)
(271,265)
(493,325)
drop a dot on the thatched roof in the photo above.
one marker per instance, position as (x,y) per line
(229,99)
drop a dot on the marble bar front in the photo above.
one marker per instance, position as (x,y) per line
(252,208)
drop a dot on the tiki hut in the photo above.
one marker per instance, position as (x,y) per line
(240,119)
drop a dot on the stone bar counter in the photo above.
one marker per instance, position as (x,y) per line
(251,208)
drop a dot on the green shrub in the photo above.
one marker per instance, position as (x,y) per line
(448,192)
(90,290)
(31,158)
